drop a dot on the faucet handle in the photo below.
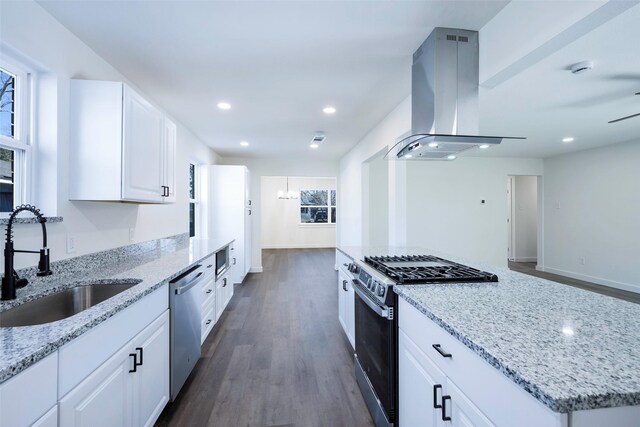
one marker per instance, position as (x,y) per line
(44,269)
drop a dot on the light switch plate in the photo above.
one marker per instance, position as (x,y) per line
(71,243)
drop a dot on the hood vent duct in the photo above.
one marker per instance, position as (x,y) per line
(444,99)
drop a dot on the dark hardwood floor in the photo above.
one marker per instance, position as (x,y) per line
(530,269)
(278,356)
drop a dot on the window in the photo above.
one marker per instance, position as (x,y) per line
(193,199)
(318,206)
(14,135)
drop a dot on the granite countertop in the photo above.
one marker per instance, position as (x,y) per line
(20,347)
(571,349)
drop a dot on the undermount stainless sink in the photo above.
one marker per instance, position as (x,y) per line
(60,305)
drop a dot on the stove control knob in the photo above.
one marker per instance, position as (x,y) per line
(381,291)
(353,268)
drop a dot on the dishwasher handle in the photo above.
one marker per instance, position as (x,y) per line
(190,284)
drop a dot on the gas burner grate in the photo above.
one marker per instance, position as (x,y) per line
(446,271)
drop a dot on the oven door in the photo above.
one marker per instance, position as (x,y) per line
(376,355)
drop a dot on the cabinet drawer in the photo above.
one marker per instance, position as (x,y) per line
(342,259)
(30,394)
(86,353)
(483,384)
(208,321)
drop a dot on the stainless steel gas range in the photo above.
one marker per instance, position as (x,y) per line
(376,320)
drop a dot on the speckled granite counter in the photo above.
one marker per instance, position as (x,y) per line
(150,264)
(571,349)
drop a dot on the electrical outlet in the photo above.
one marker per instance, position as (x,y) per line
(581,260)
(131,234)
(71,243)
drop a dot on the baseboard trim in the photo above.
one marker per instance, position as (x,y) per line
(525,259)
(598,280)
(255,269)
(303,246)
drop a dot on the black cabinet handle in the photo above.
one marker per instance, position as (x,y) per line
(441,351)
(344,285)
(210,265)
(209,291)
(140,350)
(249,211)
(435,396)
(208,322)
(165,191)
(444,408)
(249,202)
(224,282)
(135,362)
(234,261)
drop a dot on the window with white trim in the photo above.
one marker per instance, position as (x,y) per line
(193,199)
(15,122)
(318,206)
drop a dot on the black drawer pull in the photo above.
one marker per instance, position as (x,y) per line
(444,408)
(344,285)
(441,351)
(135,362)
(209,291)
(208,321)
(210,265)
(435,396)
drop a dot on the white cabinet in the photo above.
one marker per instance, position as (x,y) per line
(50,419)
(129,389)
(346,305)
(224,292)
(169,161)
(120,145)
(28,397)
(420,387)
(231,214)
(463,412)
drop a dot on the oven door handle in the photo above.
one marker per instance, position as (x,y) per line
(380,311)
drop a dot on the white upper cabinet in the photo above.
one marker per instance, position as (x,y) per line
(122,148)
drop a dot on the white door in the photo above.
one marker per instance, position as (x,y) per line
(104,399)
(169,162)
(151,389)
(462,411)
(142,149)
(421,386)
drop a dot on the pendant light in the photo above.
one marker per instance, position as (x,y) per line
(289,194)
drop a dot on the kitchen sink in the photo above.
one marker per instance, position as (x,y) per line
(61,305)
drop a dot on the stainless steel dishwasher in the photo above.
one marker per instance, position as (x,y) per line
(185,303)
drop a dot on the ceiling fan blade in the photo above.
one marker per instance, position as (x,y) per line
(624,118)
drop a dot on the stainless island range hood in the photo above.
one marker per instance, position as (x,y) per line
(444,99)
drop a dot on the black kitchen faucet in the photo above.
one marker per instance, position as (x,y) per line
(10,280)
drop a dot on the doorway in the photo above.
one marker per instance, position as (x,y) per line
(523,221)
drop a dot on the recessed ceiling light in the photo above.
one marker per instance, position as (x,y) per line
(568,139)
(433,144)
(408,156)
(567,330)
(451,157)
(244,143)
(224,105)
(329,110)
(313,145)
(484,146)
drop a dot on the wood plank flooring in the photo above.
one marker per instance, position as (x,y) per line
(278,355)
(530,269)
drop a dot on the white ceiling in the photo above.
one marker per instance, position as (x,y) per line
(277,62)
(280,62)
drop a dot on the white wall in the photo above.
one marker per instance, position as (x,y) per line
(525,218)
(280,218)
(277,167)
(445,210)
(60,55)
(375,191)
(592,211)
(350,197)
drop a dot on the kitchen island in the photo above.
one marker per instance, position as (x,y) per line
(573,351)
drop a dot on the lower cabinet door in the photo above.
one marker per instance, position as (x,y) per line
(50,419)
(462,411)
(229,290)
(421,386)
(220,297)
(104,398)
(151,381)
(350,314)
(342,300)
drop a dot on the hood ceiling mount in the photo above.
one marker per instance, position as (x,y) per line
(444,99)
